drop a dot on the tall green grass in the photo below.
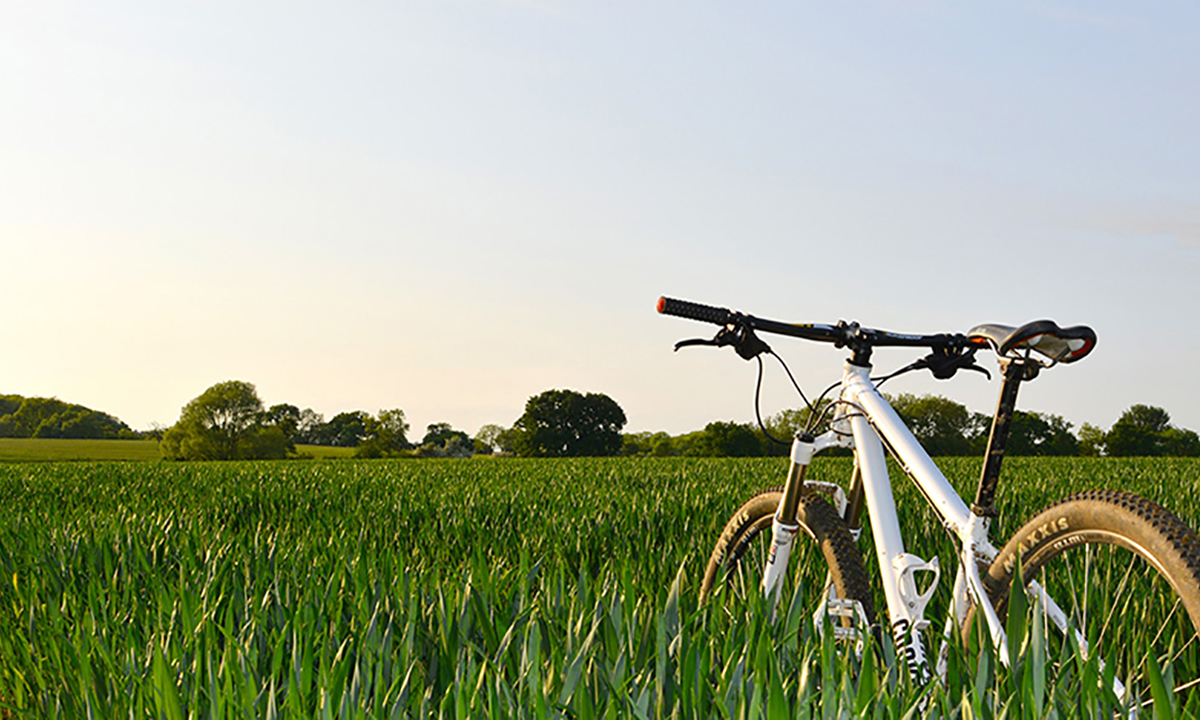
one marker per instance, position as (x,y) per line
(460,589)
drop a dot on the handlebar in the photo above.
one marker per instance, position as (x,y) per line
(860,339)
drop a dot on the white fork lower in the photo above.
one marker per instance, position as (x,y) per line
(782,539)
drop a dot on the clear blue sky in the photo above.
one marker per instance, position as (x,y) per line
(450,206)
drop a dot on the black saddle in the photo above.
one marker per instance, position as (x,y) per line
(1065,345)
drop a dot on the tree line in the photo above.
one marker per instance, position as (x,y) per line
(35,417)
(943,427)
(230,421)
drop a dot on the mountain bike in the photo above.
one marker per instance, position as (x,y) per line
(1115,576)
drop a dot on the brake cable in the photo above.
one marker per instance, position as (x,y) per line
(944,363)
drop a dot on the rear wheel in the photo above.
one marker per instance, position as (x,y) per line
(828,558)
(1126,574)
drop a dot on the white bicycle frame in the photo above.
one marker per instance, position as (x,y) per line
(864,421)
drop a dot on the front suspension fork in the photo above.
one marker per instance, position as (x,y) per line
(786,523)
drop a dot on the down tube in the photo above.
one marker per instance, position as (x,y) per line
(881,508)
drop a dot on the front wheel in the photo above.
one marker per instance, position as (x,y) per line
(1126,574)
(830,561)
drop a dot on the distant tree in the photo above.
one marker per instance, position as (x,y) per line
(226,422)
(655,444)
(507,441)
(9,404)
(391,428)
(1178,442)
(1034,433)
(441,433)
(36,417)
(943,426)
(726,439)
(441,440)
(285,417)
(1145,430)
(346,429)
(565,423)
(487,440)
(155,432)
(386,435)
(785,424)
(1091,440)
(683,444)
(1139,432)
(635,444)
(309,426)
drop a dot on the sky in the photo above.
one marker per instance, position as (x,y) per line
(447,207)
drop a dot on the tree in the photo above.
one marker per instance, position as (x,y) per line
(286,417)
(391,428)
(1145,430)
(1034,433)
(507,441)
(346,429)
(442,434)
(9,404)
(308,427)
(565,423)
(386,434)
(37,417)
(1139,432)
(1178,442)
(1091,440)
(943,426)
(226,422)
(785,424)
(441,440)
(487,440)
(654,444)
(726,439)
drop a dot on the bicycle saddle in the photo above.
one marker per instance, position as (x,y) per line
(1065,345)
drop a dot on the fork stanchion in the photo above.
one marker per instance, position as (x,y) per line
(803,448)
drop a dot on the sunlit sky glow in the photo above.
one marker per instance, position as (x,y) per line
(447,207)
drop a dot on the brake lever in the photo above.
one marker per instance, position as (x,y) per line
(695,341)
(977,368)
(742,338)
(943,365)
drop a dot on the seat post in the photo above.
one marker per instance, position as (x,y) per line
(1015,370)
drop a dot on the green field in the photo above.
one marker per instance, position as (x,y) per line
(325,452)
(456,588)
(60,450)
(50,450)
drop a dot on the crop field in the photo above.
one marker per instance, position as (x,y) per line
(46,449)
(61,450)
(325,452)
(469,588)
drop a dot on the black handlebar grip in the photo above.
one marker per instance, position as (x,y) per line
(694,311)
